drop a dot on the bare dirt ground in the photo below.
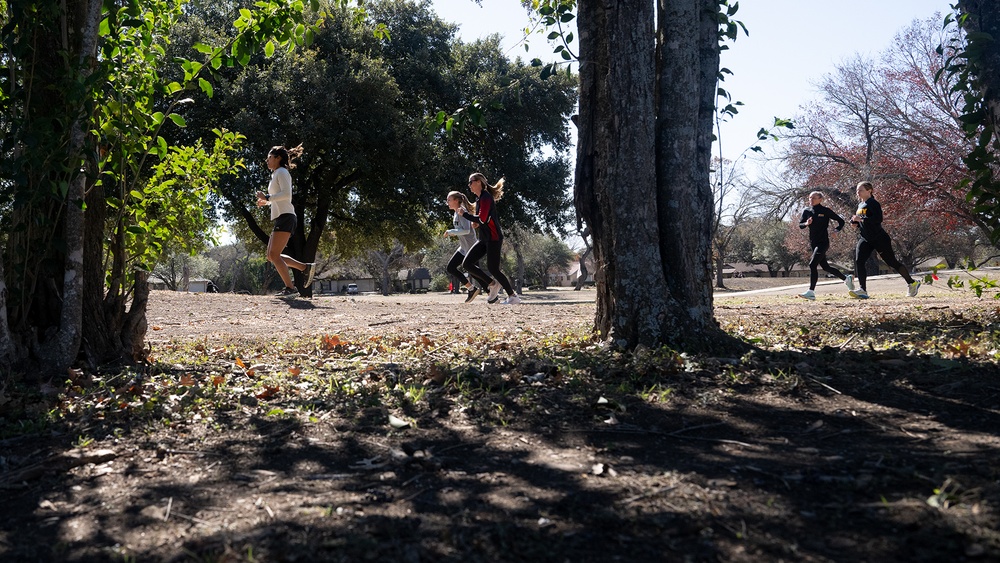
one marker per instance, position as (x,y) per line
(416,428)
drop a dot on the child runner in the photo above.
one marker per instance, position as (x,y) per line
(490,239)
(868,218)
(460,204)
(817,218)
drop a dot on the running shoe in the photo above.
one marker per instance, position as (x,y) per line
(849,282)
(309,272)
(808,294)
(912,288)
(472,294)
(286,292)
(494,291)
(512,300)
(859,294)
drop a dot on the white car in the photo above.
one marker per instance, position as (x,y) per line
(352,289)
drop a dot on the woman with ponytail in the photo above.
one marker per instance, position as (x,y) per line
(279,197)
(490,239)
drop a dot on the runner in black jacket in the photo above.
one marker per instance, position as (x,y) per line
(817,218)
(868,218)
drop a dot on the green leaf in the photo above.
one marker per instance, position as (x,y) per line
(136,230)
(269,49)
(206,87)
(178,119)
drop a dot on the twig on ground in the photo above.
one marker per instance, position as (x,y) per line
(824,384)
(648,494)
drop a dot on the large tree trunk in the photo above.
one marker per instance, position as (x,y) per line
(616,169)
(643,166)
(688,57)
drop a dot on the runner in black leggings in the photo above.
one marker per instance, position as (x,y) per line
(490,239)
(868,218)
(817,218)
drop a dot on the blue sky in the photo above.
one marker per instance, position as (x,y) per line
(791,45)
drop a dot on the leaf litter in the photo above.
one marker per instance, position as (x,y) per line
(868,435)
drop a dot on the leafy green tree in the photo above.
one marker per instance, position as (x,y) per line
(974,61)
(764,243)
(359,104)
(84,107)
(176,269)
(544,255)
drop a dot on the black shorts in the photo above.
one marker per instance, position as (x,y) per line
(285,223)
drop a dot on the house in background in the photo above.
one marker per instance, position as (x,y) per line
(413,280)
(195,285)
(569,276)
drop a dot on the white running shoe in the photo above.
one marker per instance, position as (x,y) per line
(494,291)
(809,294)
(310,273)
(912,288)
(849,282)
(512,300)
(859,294)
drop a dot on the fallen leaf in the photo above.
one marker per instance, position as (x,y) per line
(157,327)
(240,363)
(218,380)
(268,392)
(295,371)
(187,380)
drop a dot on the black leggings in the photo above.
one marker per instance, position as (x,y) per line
(454,263)
(817,261)
(884,248)
(491,250)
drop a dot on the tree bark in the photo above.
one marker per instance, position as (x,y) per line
(60,351)
(582,279)
(8,350)
(688,57)
(617,121)
(642,179)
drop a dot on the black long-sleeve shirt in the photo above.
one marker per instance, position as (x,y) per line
(871,220)
(819,228)
(487,217)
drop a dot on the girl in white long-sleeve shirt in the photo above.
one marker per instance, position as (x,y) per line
(460,204)
(279,197)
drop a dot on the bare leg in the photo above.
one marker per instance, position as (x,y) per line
(293,263)
(277,243)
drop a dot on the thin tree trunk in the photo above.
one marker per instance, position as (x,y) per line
(8,351)
(60,352)
(582,279)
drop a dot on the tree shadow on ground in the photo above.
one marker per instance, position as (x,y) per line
(844,456)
